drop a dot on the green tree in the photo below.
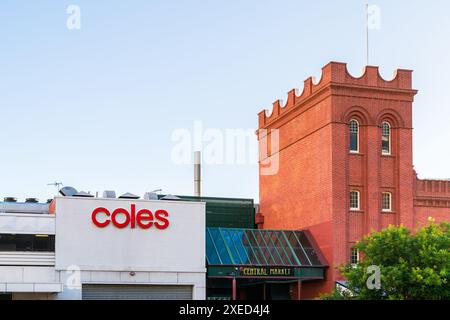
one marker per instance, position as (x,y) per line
(412,265)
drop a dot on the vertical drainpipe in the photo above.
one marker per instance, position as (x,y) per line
(197,174)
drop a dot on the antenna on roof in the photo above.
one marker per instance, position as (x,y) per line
(58,185)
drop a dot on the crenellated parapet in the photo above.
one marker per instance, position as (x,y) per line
(337,74)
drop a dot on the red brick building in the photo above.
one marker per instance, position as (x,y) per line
(344,164)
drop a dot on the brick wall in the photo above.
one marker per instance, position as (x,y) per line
(431,200)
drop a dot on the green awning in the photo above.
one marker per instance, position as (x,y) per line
(261,248)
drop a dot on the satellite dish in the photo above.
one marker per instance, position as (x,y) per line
(68,191)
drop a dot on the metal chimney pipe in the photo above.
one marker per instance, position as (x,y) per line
(197,173)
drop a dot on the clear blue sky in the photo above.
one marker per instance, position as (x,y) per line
(95,108)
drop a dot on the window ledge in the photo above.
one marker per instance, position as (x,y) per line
(357,211)
(387,212)
(356,153)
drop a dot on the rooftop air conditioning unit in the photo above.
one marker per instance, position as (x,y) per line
(109,194)
(150,196)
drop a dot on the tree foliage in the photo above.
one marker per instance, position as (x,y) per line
(413,265)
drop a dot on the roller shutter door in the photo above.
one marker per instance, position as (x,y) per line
(136,292)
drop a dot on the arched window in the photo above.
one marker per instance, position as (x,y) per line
(354,136)
(354,200)
(386,138)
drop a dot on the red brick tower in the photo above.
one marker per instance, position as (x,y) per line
(344,142)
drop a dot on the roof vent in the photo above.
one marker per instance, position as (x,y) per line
(170,197)
(150,196)
(129,196)
(68,191)
(83,194)
(10,199)
(32,200)
(109,194)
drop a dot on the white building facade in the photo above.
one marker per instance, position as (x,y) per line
(99,248)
